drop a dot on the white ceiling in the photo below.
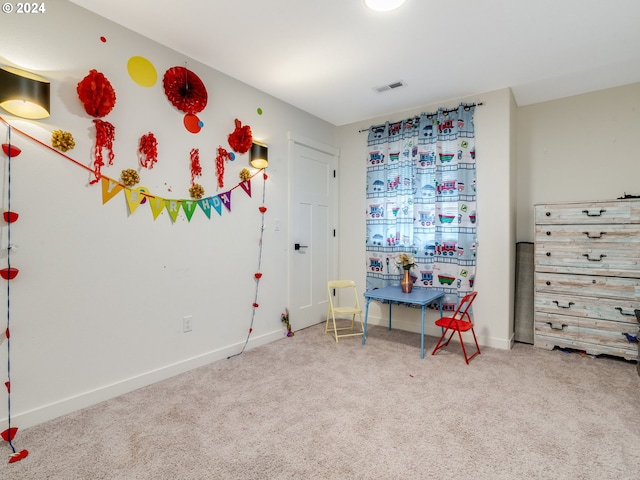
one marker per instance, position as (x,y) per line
(327,56)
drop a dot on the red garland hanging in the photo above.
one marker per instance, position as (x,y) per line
(196,169)
(148,150)
(96,94)
(222,156)
(105,135)
(185,90)
(241,138)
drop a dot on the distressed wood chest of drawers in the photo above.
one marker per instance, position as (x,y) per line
(587,276)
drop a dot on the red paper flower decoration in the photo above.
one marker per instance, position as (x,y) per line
(96,94)
(185,90)
(241,138)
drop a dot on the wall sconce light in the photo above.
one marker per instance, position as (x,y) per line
(24,94)
(258,155)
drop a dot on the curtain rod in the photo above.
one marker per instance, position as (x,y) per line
(445,111)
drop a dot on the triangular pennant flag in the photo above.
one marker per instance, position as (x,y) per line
(216,203)
(205,205)
(246,186)
(189,206)
(110,189)
(173,207)
(157,205)
(135,197)
(226,199)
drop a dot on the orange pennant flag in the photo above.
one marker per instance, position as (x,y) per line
(110,189)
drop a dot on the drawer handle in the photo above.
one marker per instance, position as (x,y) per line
(625,313)
(548,254)
(594,236)
(548,234)
(548,283)
(593,259)
(561,327)
(568,305)
(588,214)
(548,214)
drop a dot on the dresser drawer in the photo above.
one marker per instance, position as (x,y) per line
(603,258)
(589,285)
(587,213)
(591,235)
(611,310)
(593,336)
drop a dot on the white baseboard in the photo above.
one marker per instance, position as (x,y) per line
(48,412)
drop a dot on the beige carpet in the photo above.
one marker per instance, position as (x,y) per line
(307,408)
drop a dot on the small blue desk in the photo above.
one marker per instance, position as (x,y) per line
(418,296)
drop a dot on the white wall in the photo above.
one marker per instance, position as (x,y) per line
(578,148)
(495,146)
(98,305)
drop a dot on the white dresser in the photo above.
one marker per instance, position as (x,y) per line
(587,276)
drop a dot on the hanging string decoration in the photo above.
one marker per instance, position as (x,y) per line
(9,434)
(196,169)
(241,138)
(62,140)
(148,150)
(185,90)
(258,275)
(98,97)
(130,177)
(105,136)
(196,191)
(222,157)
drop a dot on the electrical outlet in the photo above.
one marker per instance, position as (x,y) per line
(187,324)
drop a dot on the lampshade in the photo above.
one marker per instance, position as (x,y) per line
(24,94)
(258,156)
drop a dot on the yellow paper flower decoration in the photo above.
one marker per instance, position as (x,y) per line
(245,174)
(61,140)
(196,191)
(130,177)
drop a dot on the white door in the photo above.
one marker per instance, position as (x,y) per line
(312,249)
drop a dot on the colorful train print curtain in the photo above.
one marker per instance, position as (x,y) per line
(421,200)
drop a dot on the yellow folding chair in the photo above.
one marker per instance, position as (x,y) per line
(347,294)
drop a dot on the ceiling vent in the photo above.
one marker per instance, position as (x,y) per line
(390,86)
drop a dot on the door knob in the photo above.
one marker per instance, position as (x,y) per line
(297,246)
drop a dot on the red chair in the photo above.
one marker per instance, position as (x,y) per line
(459,322)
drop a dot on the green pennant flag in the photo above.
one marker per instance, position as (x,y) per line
(189,206)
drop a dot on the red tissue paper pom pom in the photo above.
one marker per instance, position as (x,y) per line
(185,90)
(241,138)
(96,94)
